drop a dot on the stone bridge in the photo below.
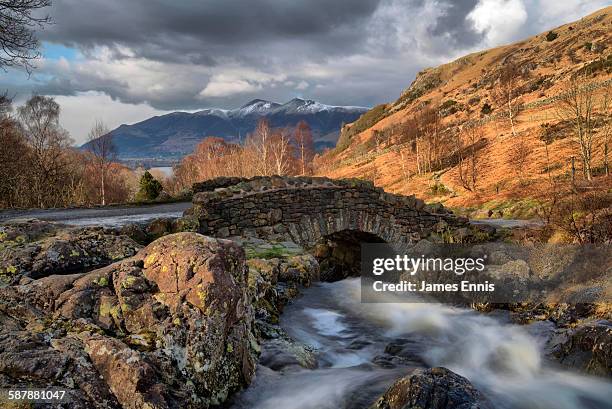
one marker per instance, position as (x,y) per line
(308,209)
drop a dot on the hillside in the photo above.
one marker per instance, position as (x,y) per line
(383,144)
(175,135)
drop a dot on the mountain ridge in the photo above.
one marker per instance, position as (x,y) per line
(174,135)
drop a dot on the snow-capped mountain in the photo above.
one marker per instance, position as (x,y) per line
(261,107)
(175,135)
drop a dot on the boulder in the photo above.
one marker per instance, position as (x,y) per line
(587,348)
(159,227)
(435,388)
(170,327)
(136,232)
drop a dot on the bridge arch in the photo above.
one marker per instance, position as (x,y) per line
(307,209)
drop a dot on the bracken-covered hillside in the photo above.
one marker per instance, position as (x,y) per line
(389,145)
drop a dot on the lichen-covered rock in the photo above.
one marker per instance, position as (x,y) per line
(587,348)
(273,282)
(28,358)
(56,250)
(435,388)
(169,327)
(159,227)
(26,231)
(127,373)
(136,232)
(145,233)
(303,270)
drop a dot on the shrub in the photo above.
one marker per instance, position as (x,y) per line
(585,217)
(486,109)
(150,188)
(551,36)
(438,189)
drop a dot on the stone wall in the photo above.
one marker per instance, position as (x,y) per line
(307,209)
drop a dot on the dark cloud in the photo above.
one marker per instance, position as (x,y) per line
(189,54)
(454,26)
(199,31)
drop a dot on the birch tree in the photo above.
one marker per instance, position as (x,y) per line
(304,145)
(576,106)
(104,153)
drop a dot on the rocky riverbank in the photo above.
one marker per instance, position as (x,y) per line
(184,321)
(177,323)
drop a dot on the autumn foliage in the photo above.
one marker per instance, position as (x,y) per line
(267,151)
(39,168)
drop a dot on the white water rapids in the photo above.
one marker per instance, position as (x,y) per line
(504,361)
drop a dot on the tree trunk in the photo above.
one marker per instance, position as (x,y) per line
(103,190)
(418,159)
(606,166)
(511,115)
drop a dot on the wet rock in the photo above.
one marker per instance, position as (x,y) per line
(435,388)
(169,327)
(406,350)
(67,251)
(587,348)
(282,352)
(273,283)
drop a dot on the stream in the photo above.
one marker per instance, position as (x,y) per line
(504,361)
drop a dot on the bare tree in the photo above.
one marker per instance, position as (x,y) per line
(14,159)
(407,134)
(431,137)
(6,106)
(518,157)
(507,92)
(305,146)
(468,155)
(259,143)
(39,118)
(282,151)
(576,105)
(104,153)
(18,20)
(606,131)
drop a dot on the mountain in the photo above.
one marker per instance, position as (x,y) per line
(380,145)
(175,135)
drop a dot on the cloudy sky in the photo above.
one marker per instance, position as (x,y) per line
(123,61)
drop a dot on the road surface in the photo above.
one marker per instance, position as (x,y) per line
(509,223)
(100,216)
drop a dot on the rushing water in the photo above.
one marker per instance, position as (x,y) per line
(502,360)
